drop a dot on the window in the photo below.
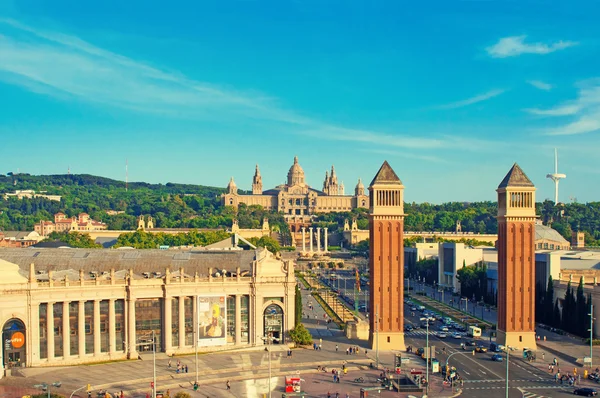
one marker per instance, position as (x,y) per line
(388,339)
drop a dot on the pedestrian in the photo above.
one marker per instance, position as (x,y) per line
(347,351)
(170,365)
(122,395)
(337,395)
(543,355)
(320,347)
(336,348)
(549,368)
(228,385)
(186,368)
(328,394)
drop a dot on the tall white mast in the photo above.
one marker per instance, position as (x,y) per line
(556,176)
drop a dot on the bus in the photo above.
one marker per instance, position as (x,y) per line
(474,331)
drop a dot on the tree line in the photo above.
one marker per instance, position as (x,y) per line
(574,317)
(195,206)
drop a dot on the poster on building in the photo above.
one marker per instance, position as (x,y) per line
(212,318)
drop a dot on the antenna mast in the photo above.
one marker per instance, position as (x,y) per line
(556,176)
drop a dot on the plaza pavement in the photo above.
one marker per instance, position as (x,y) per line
(247,370)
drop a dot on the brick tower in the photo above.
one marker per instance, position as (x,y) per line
(386,260)
(516,260)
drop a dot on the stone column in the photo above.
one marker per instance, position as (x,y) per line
(238,319)
(50,330)
(319,240)
(97,340)
(112,329)
(81,328)
(133,354)
(66,330)
(311,239)
(325,248)
(303,240)
(168,330)
(181,322)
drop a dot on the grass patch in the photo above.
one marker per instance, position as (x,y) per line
(304,282)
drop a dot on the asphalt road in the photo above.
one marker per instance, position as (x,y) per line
(481,375)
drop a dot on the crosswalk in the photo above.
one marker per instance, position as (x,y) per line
(422,332)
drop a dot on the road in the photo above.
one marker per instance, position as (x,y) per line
(481,375)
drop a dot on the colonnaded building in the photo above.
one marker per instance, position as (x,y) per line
(297,199)
(73,306)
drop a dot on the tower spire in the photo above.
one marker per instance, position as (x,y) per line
(556,176)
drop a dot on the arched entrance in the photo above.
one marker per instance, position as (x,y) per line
(13,343)
(273,323)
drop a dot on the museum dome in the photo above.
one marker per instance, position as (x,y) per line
(296,174)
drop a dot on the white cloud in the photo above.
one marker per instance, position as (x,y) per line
(515,45)
(472,100)
(584,111)
(564,110)
(540,84)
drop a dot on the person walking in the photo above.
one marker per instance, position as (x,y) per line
(228,385)
(170,364)
(336,348)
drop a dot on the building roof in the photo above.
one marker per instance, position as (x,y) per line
(139,260)
(516,177)
(386,175)
(547,233)
(19,235)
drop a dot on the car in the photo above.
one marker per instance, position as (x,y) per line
(497,357)
(413,308)
(586,392)
(444,329)
(408,328)
(471,343)
(442,335)
(495,347)
(456,335)
(420,351)
(480,348)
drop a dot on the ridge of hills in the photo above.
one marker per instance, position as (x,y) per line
(174,205)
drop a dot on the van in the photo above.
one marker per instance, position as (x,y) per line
(494,347)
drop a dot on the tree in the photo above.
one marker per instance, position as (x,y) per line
(581,322)
(298,309)
(73,239)
(300,335)
(267,242)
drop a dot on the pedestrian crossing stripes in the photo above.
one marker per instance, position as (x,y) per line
(510,381)
(529,394)
(519,388)
(421,332)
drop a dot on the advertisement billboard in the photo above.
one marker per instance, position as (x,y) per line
(212,320)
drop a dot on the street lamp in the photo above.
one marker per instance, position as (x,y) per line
(591,314)
(508,349)
(46,387)
(269,339)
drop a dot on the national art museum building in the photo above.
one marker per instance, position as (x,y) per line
(73,306)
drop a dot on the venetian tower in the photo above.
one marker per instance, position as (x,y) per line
(386,260)
(516,260)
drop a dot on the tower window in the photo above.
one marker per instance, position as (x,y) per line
(388,339)
(520,339)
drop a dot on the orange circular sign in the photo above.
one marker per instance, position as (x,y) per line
(17,340)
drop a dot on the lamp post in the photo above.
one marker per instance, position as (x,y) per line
(46,387)
(508,350)
(377,336)
(154,364)
(591,332)
(269,339)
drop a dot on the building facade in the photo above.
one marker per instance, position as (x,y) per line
(296,199)
(386,260)
(65,307)
(516,260)
(82,223)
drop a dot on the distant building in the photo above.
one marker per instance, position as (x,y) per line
(114,212)
(81,223)
(30,193)
(19,238)
(296,199)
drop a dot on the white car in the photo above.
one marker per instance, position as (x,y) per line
(442,335)
(443,329)
(457,336)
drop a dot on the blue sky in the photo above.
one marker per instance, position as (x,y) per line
(451,93)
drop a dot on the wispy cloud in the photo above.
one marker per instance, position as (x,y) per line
(409,155)
(66,66)
(583,112)
(472,100)
(515,45)
(564,110)
(540,84)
